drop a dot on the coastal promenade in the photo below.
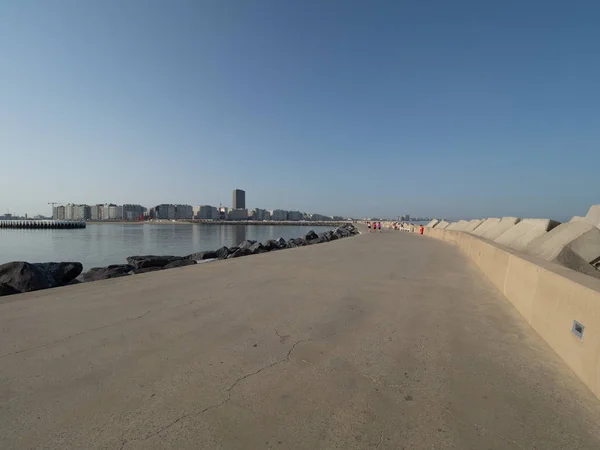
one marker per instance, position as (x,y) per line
(387,340)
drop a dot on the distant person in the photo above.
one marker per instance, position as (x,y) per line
(421,229)
(369,225)
(379,226)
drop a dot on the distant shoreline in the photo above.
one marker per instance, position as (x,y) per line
(219,222)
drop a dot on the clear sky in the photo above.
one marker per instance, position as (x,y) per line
(459,108)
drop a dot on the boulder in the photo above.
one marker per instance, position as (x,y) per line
(20,276)
(333,237)
(311,236)
(300,242)
(146,270)
(247,243)
(60,274)
(290,244)
(325,236)
(341,232)
(282,243)
(201,256)
(104,273)
(23,277)
(6,289)
(180,263)
(223,253)
(257,248)
(240,252)
(142,262)
(271,245)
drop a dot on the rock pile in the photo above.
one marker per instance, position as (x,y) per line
(18,277)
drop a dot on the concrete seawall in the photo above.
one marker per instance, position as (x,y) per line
(553,299)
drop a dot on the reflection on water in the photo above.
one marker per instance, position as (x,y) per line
(103,244)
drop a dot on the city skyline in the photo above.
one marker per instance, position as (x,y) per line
(358,109)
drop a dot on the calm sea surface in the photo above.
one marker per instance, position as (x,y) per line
(104,244)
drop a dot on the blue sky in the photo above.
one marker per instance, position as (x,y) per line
(440,108)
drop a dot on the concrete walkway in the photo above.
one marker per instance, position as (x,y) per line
(387,341)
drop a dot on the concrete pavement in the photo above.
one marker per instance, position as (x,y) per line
(388,340)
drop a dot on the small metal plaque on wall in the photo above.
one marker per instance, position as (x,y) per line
(578,329)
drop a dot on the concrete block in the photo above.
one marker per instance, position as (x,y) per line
(575,245)
(486,225)
(433,223)
(577,219)
(442,225)
(503,225)
(471,225)
(457,226)
(519,236)
(593,216)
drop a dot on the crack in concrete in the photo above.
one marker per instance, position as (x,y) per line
(229,389)
(129,319)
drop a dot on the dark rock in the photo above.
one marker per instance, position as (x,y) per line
(271,245)
(180,263)
(290,244)
(60,274)
(201,256)
(333,237)
(142,262)
(247,244)
(6,289)
(258,248)
(146,270)
(300,242)
(104,273)
(23,277)
(240,252)
(223,253)
(311,236)
(324,237)
(281,242)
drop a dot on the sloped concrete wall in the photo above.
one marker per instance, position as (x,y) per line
(470,227)
(593,215)
(458,226)
(548,296)
(519,236)
(505,224)
(486,225)
(433,223)
(443,224)
(573,244)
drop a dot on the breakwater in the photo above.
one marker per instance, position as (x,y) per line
(41,224)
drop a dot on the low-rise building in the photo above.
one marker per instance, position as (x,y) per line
(184,212)
(76,212)
(295,215)
(164,212)
(279,214)
(260,214)
(206,212)
(238,214)
(58,213)
(133,212)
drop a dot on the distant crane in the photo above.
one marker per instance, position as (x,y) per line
(54,203)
